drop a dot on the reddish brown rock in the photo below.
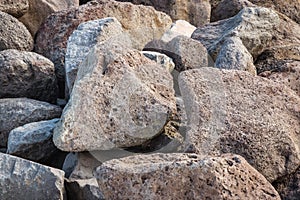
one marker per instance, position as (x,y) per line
(182,176)
(234,111)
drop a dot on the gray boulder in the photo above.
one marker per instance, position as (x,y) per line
(32,141)
(20,111)
(27,74)
(13,34)
(23,179)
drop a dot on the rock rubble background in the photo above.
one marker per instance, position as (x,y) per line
(148,99)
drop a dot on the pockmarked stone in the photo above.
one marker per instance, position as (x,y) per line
(15,8)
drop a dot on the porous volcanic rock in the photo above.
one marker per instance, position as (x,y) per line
(15,8)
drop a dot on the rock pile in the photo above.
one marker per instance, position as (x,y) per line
(189,99)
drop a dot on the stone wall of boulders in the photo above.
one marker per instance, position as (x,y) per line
(148,99)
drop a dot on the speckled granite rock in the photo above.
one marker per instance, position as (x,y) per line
(231,111)
(13,34)
(120,99)
(182,176)
(23,179)
(27,74)
(19,111)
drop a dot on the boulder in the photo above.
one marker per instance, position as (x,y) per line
(185,52)
(288,74)
(83,189)
(40,10)
(20,111)
(84,38)
(179,27)
(142,23)
(232,111)
(182,176)
(258,28)
(234,55)
(32,141)
(197,12)
(161,59)
(13,34)
(16,8)
(23,179)
(229,8)
(120,99)
(27,74)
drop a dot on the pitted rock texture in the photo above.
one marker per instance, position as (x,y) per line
(19,111)
(27,74)
(40,10)
(142,23)
(120,99)
(231,111)
(23,179)
(15,8)
(288,75)
(32,141)
(234,55)
(13,34)
(229,8)
(258,28)
(182,176)
(197,12)
(84,38)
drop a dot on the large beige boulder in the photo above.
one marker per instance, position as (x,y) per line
(234,111)
(182,176)
(120,99)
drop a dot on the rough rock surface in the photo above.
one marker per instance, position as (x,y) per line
(288,74)
(27,74)
(85,37)
(231,111)
(20,111)
(83,189)
(289,187)
(120,99)
(234,55)
(179,27)
(32,141)
(197,12)
(182,176)
(160,59)
(185,52)
(258,28)
(142,23)
(13,34)
(274,58)
(229,8)
(15,8)
(23,179)
(40,10)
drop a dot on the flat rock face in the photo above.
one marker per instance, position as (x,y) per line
(27,74)
(85,37)
(179,27)
(182,176)
(34,17)
(234,55)
(142,23)
(120,99)
(13,34)
(15,8)
(23,179)
(32,141)
(258,28)
(234,111)
(19,111)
